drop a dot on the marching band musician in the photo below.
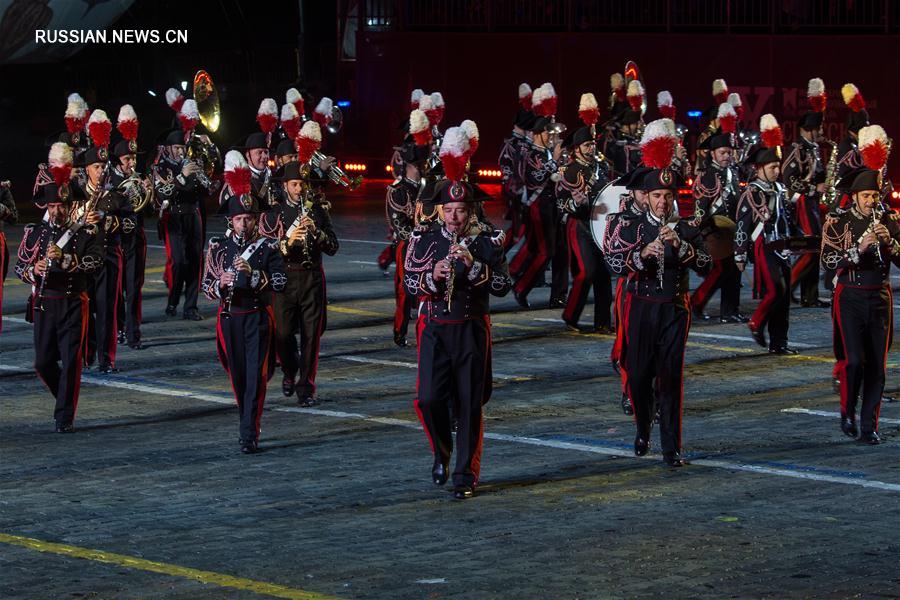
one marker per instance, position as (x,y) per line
(860,244)
(133,238)
(716,190)
(400,209)
(764,216)
(242,271)
(302,226)
(622,145)
(540,164)
(849,157)
(617,243)
(720,96)
(8,215)
(582,180)
(510,162)
(657,306)
(453,269)
(57,257)
(181,187)
(98,195)
(804,176)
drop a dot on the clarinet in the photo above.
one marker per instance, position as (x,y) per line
(226,306)
(661,259)
(448,294)
(40,295)
(877,213)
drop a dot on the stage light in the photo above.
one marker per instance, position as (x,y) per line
(152,93)
(490,173)
(355,167)
(184,86)
(690,182)
(694,114)
(343,103)
(388,169)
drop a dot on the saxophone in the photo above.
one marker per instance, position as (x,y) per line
(830,196)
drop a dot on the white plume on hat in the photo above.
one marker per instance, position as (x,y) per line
(189,109)
(235,160)
(587,102)
(524,90)
(312,131)
(437,99)
(325,106)
(664,98)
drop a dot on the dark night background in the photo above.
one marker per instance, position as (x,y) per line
(475,52)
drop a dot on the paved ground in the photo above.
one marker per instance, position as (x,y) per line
(151,498)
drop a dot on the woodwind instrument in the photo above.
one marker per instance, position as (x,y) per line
(451,260)
(226,306)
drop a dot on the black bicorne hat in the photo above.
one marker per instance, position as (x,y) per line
(810,121)
(763,155)
(634,179)
(860,179)
(234,205)
(660,179)
(285,148)
(719,140)
(857,120)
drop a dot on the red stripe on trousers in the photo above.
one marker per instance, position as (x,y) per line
(400,294)
(841,364)
(420,326)
(769,298)
(702,293)
(540,259)
(78,355)
(578,281)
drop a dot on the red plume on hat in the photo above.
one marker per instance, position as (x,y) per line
(525,96)
(727,117)
(99,127)
(665,104)
(290,120)
(720,90)
(471,130)
(189,116)
(853,98)
(734,99)
(658,144)
(588,109)
(414,98)
(543,100)
(815,93)
(454,153)
(770,131)
(76,113)
(437,100)
(617,85)
(237,173)
(635,95)
(127,123)
(60,163)
(174,99)
(420,127)
(294,97)
(873,146)
(308,141)
(267,116)
(322,114)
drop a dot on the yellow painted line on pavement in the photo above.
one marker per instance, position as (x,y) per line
(356,311)
(131,562)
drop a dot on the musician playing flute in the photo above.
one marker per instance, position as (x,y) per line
(453,268)
(242,271)
(656,312)
(57,257)
(860,244)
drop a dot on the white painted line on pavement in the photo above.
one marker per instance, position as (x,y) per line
(381,243)
(529,441)
(16,320)
(412,365)
(832,414)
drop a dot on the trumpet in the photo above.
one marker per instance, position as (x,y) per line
(335,173)
(556,130)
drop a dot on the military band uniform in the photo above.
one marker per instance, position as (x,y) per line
(8,216)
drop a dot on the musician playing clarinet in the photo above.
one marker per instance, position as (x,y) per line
(57,257)
(860,244)
(656,311)
(242,271)
(454,269)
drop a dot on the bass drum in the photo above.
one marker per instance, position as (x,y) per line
(608,201)
(719,237)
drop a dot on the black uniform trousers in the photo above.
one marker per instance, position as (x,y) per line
(559,265)
(59,334)
(588,272)
(772,276)
(104,290)
(300,308)
(246,338)
(541,243)
(134,252)
(863,318)
(184,245)
(4,266)
(655,337)
(453,358)
(405,303)
(725,277)
(805,271)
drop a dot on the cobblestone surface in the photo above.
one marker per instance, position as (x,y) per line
(344,506)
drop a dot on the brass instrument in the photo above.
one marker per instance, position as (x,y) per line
(451,277)
(207,99)
(226,306)
(830,195)
(137,191)
(556,130)
(335,173)
(205,154)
